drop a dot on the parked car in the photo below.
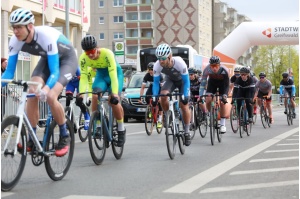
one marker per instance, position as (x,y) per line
(130,101)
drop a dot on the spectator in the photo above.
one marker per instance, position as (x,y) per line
(3,93)
(3,64)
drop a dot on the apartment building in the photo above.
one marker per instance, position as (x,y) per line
(147,23)
(50,13)
(226,19)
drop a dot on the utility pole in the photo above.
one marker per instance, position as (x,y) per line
(67,19)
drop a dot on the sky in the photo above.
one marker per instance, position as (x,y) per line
(266,10)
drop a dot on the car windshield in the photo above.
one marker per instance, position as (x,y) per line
(136,81)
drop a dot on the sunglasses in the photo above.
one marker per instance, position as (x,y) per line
(262,77)
(214,65)
(150,69)
(90,52)
(191,74)
(244,74)
(162,58)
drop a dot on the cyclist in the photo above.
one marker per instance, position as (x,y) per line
(176,73)
(244,87)
(233,78)
(287,87)
(109,77)
(149,78)
(264,88)
(218,77)
(70,88)
(252,74)
(57,65)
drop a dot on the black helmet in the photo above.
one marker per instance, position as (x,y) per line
(192,71)
(150,65)
(199,71)
(214,60)
(262,74)
(244,70)
(237,69)
(285,75)
(88,42)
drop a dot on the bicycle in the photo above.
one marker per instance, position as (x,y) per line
(289,109)
(194,121)
(234,117)
(151,118)
(78,121)
(244,124)
(214,125)
(103,131)
(14,140)
(265,119)
(174,126)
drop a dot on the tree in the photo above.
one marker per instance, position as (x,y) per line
(274,60)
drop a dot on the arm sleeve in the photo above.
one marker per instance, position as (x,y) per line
(84,74)
(155,87)
(281,89)
(186,85)
(112,71)
(53,62)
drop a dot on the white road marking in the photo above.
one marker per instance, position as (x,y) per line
(292,139)
(264,170)
(291,144)
(91,197)
(250,186)
(283,150)
(274,159)
(199,180)
(5,194)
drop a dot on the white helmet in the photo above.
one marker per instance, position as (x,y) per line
(163,50)
(21,16)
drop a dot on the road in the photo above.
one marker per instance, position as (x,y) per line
(263,165)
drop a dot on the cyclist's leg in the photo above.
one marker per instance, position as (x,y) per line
(167,88)
(269,107)
(69,93)
(249,110)
(223,111)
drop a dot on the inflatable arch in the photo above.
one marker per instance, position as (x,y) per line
(248,34)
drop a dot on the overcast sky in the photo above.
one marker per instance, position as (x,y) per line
(267,10)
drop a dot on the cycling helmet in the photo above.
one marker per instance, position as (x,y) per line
(262,74)
(150,65)
(249,67)
(285,75)
(199,71)
(192,71)
(237,69)
(214,60)
(21,17)
(244,70)
(88,42)
(163,50)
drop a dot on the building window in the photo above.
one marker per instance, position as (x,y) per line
(118,35)
(118,3)
(101,3)
(146,16)
(131,33)
(132,49)
(101,20)
(101,36)
(132,16)
(118,19)
(132,1)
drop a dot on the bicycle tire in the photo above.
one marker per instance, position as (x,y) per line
(181,142)
(117,151)
(149,120)
(171,138)
(193,125)
(202,123)
(243,121)
(290,110)
(83,134)
(212,125)
(57,167)
(263,117)
(97,138)
(217,127)
(8,179)
(234,119)
(249,128)
(254,117)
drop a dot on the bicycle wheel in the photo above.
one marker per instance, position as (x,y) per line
(159,130)
(290,114)
(171,138)
(12,165)
(193,125)
(83,134)
(117,151)
(217,127)
(263,117)
(181,143)
(149,120)
(97,138)
(234,119)
(202,123)
(212,125)
(249,128)
(243,121)
(254,117)
(57,167)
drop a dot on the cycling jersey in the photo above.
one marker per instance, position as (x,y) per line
(287,86)
(109,73)
(149,78)
(215,80)
(91,78)
(73,83)
(177,74)
(58,61)
(263,87)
